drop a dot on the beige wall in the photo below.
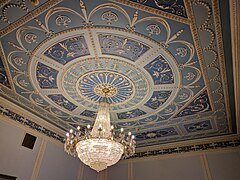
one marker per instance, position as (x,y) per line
(48,161)
(216,165)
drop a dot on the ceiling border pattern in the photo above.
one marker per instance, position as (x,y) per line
(219,41)
(232,143)
(216,47)
(196,40)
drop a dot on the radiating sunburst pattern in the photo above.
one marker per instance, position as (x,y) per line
(91,86)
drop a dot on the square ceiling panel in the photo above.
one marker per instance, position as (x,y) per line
(167,63)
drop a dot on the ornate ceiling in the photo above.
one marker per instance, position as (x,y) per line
(163,60)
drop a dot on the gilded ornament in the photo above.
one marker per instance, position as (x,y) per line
(63,20)
(110,17)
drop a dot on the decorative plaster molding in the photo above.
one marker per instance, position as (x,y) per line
(29,16)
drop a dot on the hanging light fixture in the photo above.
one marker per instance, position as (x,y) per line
(100,146)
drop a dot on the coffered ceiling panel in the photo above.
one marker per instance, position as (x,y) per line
(163,61)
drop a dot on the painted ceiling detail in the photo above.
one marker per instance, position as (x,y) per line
(160,71)
(171,6)
(68,50)
(200,126)
(121,46)
(91,86)
(62,101)
(163,70)
(200,104)
(46,76)
(158,98)
(3,75)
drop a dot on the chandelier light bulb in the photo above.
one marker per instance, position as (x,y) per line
(100,127)
(78,128)
(71,131)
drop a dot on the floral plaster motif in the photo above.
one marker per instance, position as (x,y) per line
(62,101)
(158,98)
(46,76)
(110,17)
(88,113)
(160,71)
(122,46)
(63,20)
(200,104)
(131,114)
(67,50)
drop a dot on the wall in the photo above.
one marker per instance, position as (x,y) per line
(46,161)
(215,165)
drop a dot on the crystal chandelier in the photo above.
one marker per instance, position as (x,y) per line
(100,146)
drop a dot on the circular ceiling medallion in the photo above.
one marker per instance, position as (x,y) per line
(95,85)
(128,86)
